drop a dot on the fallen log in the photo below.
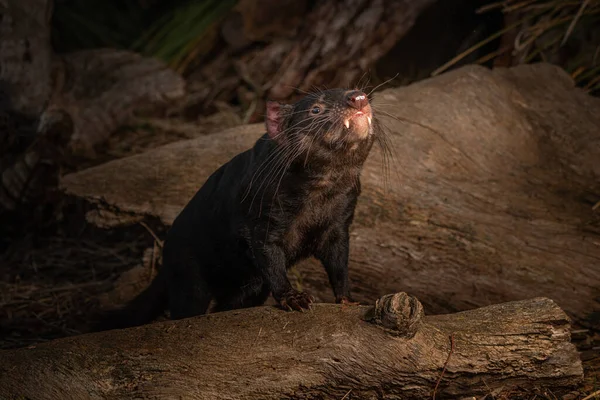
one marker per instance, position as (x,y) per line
(389,350)
(491,199)
(101,89)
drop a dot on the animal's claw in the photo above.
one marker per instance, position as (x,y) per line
(295,300)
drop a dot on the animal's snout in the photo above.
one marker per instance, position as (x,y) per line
(357,99)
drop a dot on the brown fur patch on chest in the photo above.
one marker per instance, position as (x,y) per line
(311,223)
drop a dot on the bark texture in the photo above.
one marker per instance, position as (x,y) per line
(334,45)
(28,176)
(490,199)
(329,352)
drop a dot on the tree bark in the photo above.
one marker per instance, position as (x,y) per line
(490,199)
(334,45)
(369,352)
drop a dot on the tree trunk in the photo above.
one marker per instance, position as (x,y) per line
(26,53)
(48,102)
(333,45)
(490,199)
(330,352)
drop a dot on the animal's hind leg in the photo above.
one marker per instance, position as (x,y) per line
(189,292)
(251,295)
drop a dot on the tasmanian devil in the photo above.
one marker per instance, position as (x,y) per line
(289,197)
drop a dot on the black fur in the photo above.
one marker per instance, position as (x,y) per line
(289,197)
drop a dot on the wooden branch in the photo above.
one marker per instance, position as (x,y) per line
(386,350)
(489,200)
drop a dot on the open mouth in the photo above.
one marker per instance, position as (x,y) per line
(358,114)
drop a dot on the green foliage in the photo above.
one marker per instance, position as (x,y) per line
(180,34)
(174,31)
(564,32)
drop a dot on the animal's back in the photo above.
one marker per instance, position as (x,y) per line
(215,206)
(206,241)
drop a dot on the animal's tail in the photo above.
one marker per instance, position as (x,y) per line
(141,310)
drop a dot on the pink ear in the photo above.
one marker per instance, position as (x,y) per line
(273,119)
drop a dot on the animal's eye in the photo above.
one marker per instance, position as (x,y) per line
(316,110)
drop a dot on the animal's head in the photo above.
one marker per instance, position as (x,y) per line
(337,118)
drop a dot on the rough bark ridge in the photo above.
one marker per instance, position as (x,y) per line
(490,198)
(388,351)
(339,41)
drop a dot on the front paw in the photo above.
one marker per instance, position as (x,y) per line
(295,300)
(347,301)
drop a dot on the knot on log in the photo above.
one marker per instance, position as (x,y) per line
(399,312)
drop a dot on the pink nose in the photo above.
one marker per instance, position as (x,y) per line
(357,99)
